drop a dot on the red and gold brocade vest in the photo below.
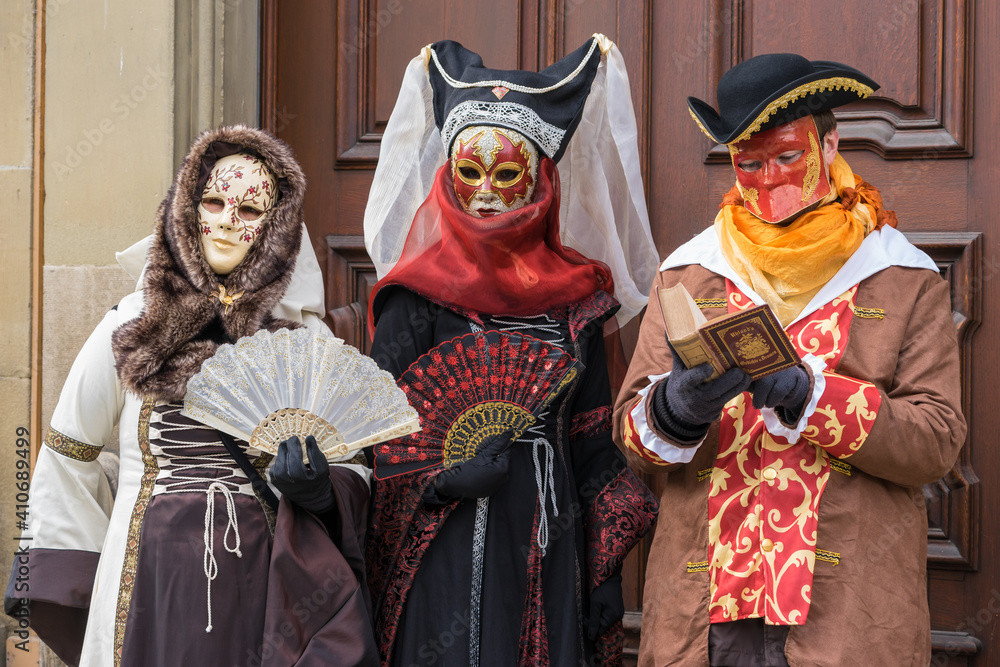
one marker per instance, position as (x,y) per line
(765,491)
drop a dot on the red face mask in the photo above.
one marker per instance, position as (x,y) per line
(493,170)
(781,171)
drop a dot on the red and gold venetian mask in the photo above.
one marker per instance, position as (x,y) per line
(493,170)
(781,171)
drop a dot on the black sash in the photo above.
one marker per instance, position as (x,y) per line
(258,483)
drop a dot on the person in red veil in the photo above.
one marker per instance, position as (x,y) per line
(514,555)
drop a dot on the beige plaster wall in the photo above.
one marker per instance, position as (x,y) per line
(108,103)
(108,161)
(113,111)
(16,84)
(108,125)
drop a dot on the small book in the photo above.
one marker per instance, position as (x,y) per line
(752,339)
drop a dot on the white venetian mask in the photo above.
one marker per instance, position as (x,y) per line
(233,209)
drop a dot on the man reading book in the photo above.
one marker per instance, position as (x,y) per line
(776,491)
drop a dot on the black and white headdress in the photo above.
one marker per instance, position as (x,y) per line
(543,106)
(578,111)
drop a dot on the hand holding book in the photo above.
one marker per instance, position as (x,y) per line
(688,400)
(750,339)
(786,391)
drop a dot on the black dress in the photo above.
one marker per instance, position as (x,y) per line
(503,580)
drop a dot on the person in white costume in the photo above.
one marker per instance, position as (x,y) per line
(193,561)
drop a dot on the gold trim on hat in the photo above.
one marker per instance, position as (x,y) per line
(811,88)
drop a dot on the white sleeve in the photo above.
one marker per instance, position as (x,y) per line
(667,451)
(71,500)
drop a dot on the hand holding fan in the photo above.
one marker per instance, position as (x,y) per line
(271,386)
(469,389)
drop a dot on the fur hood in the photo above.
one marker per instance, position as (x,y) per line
(182,322)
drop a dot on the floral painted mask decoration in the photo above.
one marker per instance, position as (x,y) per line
(233,209)
(782,171)
(493,169)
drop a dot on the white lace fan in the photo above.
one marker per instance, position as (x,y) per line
(271,386)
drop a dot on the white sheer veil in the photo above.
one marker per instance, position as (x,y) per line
(603,208)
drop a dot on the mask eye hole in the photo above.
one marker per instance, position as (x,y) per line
(790,157)
(749,166)
(507,174)
(249,213)
(470,173)
(213,205)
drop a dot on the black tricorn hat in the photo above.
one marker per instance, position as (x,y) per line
(773,89)
(544,106)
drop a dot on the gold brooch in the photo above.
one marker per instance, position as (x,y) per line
(226,299)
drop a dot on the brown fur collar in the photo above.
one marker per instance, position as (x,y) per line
(181,324)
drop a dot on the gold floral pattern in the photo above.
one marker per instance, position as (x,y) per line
(845,415)
(736,299)
(765,491)
(634,442)
(812,169)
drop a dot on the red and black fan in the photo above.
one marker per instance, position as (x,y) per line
(469,389)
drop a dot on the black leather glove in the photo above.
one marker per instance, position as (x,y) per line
(786,391)
(606,607)
(308,487)
(480,476)
(687,401)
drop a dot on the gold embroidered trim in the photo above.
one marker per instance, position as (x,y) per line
(750,196)
(811,180)
(704,474)
(135,530)
(833,83)
(841,466)
(870,313)
(701,566)
(70,447)
(711,303)
(828,556)
(700,126)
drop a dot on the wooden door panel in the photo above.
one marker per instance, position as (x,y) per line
(919,52)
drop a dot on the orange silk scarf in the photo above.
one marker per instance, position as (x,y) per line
(788,264)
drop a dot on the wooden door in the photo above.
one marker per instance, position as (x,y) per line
(332,71)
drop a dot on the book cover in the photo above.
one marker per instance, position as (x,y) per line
(753,340)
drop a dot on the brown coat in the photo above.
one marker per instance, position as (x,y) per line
(871,608)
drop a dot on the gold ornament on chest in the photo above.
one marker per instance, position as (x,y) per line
(225,298)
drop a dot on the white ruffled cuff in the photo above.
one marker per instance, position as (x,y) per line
(654,443)
(771,421)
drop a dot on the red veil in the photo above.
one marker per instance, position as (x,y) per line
(507,264)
